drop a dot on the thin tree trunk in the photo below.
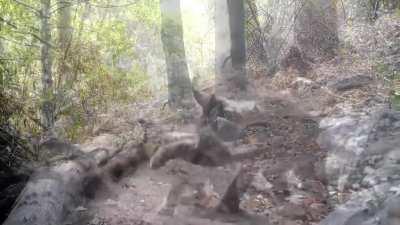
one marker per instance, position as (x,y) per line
(64,39)
(222,43)
(230,48)
(238,41)
(1,68)
(47,61)
(179,84)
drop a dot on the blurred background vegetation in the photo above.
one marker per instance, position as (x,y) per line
(106,53)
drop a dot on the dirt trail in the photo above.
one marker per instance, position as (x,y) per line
(281,183)
(134,199)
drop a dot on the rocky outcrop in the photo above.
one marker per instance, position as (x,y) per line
(364,157)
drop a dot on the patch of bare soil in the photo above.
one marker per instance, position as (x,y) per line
(285,180)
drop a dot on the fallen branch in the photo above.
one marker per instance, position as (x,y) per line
(53,193)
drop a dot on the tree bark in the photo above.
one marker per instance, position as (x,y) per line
(222,43)
(1,68)
(230,48)
(237,26)
(64,39)
(48,196)
(179,84)
(316,29)
(47,61)
(52,194)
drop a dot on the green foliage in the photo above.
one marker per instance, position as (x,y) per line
(391,79)
(397,13)
(395,91)
(101,56)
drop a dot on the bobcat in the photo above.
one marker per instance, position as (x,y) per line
(205,147)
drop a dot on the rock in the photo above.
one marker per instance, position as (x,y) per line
(393,157)
(351,83)
(356,186)
(377,157)
(346,138)
(240,107)
(347,215)
(104,141)
(368,170)
(369,181)
(260,183)
(373,160)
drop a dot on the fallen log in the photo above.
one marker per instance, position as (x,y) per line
(53,193)
(49,195)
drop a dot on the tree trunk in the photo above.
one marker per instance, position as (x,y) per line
(47,61)
(238,45)
(64,41)
(1,68)
(316,29)
(179,84)
(230,47)
(222,43)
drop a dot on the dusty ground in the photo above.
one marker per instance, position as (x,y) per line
(283,182)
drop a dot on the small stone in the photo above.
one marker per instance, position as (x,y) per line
(260,183)
(110,202)
(80,209)
(300,185)
(395,190)
(369,181)
(356,186)
(368,170)
(332,193)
